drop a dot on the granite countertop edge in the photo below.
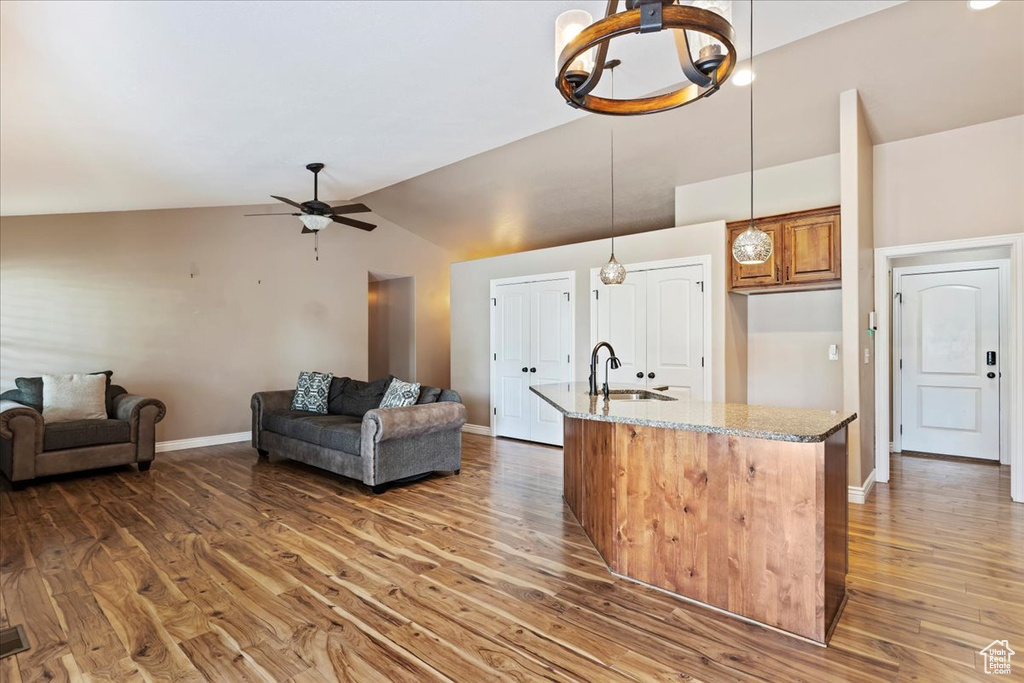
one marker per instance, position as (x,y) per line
(708,429)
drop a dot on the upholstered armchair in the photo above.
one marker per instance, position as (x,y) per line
(30,448)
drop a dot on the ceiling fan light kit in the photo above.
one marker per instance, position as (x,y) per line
(316,215)
(705,45)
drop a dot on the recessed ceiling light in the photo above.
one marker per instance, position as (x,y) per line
(982,4)
(743,77)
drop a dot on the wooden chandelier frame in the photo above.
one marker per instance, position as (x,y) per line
(649,16)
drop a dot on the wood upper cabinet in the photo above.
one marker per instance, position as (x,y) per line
(764,274)
(806,253)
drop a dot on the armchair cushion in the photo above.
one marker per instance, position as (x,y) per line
(59,436)
(31,391)
(69,398)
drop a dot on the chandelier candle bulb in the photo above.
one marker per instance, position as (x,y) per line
(568,25)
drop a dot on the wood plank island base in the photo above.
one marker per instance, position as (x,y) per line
(740,508)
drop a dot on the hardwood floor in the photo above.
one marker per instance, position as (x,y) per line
(217,566)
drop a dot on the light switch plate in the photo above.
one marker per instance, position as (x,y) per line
(833,351)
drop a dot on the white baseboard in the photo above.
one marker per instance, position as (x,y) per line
(477,429)
(859,494)
(200,441)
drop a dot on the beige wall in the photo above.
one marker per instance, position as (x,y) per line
(203,307)
(856,188)
(788,336)
(967,182)
(470,313)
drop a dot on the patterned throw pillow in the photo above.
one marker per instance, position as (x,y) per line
(400,394)
(311,392)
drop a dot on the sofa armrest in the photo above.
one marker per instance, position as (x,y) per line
(129,407)
(21,427)
(17,420)
(383,424)
(262,401)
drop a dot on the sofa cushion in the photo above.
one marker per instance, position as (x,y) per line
(428,395)
(358,397)
(58,436)
(311,391)
(335,393)
(449,395)
(340,432)
(298,424)
(400,394)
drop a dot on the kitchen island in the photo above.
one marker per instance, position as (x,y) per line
(740,508)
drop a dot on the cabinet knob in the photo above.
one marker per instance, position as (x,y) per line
(533,369)
(639,375)
(526,369)
(650,375)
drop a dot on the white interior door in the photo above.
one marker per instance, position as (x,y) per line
(675,330)
(621,316)
(949,322)
(512,393)
(550,353)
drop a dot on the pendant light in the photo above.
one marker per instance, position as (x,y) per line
(753,245)
(613,272)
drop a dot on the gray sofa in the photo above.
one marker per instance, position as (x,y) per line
(30,448)
(355,439)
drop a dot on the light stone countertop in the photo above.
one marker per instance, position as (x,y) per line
(733,419)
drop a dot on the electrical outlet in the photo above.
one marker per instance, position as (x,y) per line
(833,351)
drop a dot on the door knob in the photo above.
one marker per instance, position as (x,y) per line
(639,375)
(533,369)
(526,369)
(650,375)
(991,375)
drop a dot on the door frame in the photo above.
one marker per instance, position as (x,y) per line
(702,260)
(1015,356)
(519,280)
(1002,266)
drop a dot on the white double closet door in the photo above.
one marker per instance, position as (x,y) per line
(655,322)
(531,342)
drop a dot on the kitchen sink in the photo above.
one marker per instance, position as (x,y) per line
(636,395)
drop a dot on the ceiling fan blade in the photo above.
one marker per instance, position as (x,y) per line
(353,223)
(272,214)
(350,208)
(287,201)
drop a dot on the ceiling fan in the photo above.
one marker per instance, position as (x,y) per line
(316,215)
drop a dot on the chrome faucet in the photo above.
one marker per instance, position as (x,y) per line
(612,359)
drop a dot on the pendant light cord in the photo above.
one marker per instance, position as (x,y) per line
(612,136)
(751,114)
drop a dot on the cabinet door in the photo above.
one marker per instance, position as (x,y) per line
(550,354)
(811,249)
(675,330)
(512,363)
(762,274)
(621,316)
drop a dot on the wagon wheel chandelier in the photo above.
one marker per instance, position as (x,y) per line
(705,43)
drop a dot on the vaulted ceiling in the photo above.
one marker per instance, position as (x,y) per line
(140,105)
(442,115)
